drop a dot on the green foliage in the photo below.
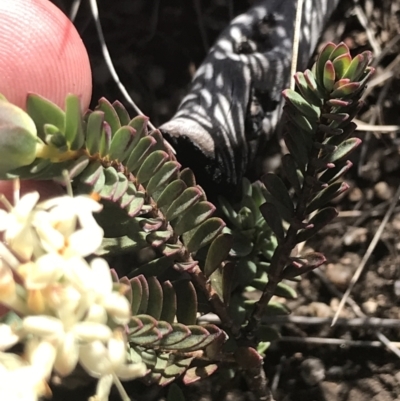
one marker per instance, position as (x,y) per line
(178,259)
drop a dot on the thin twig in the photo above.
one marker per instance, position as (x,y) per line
(335,341)
(356,309)
(317,321)
(74,10)
(384,129)
(108,60)
(367,255)
(296,41)
(366,25)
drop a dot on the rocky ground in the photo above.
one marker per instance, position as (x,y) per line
(156,47)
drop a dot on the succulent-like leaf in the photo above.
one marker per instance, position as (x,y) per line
(273,219)
(305,108)
(204,234)
(155,304)
(195,374)
(329,76)
(137,291)
(322,59)
(333,174)
(111,183)
(42,112)
(338,51)
(304,265)
(343,150)
(278,190)
(151,165)
(123,115)
(73,130)
(346,90)
(183,202)
(140,153)
(291,171)
(94,128)
(320,220)
(110,115)
(306,91)
(326,195)
(341,64)
(171,193)
(194,216)
(187,302)
(105,140)
(187,177)
(275,308)
(120,142)
(217,253)
(162,177)
(169,306)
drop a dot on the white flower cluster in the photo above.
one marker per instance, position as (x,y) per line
(70,310)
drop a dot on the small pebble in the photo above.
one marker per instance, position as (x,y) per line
(312,371)
(383,191)
(355,194)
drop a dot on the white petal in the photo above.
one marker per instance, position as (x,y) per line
(103,388)
(41,355)
(67,355)
(90,331)
(47,270)
(118,307)
(131,371)
(103,283)
(51,239)
(5,220)
(26,204)
(117,350)
(43,326)
(7,337)
(94,359)
(96,313)
(79,274)
(85,241)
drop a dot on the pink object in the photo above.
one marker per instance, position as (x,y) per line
(41,52)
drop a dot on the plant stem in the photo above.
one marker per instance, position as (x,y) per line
(282,252)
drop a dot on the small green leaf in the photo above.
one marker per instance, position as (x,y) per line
(326,195)
(42,112)
(195,374)
(105,140)
(273,219)
(301,104)
(338,51)
(137,291)
(73,130)
(94,131)
(110,115)
(341,64)
(140,153)
(122,187)
(151,165)
(291,171)
(186,312)
(343,150)
(155,303)
(304,265)
(320,220)
(217,253)
(322,59)
(205,233)
(278,190)
(358,66)
(162,177)
(306,91)
(123,115)
(144,300)
(345,90)
(111,183)
(179,333)
(329,76)
(193,217)
(168,312)
(187,177)
(285,291)
(333,174)
(275,308)
(120,142)
(171,193)
(183,202)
